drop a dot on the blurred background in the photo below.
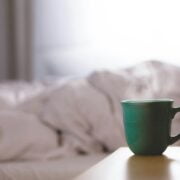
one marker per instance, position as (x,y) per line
(55,38)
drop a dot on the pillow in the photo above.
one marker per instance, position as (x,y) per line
(24,137)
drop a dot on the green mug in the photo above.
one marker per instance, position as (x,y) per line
(147,125)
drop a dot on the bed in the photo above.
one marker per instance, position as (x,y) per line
(62,169)
(56,130)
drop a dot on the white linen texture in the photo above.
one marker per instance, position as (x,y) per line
(44,121)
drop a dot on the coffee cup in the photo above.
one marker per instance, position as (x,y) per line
(147,125)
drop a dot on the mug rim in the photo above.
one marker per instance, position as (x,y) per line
(147,100)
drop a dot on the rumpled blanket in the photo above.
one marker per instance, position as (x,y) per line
(80,116)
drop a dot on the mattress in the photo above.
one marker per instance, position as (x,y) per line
(64,169)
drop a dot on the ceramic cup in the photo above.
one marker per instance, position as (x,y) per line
(147,125)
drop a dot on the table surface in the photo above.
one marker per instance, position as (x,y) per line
(123,165)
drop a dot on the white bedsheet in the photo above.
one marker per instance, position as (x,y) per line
(81,116)
(85,113)
(63,169)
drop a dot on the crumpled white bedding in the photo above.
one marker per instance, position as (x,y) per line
(79,116)
(62,169)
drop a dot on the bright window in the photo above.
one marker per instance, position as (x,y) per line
(77,36)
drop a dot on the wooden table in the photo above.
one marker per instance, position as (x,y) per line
(123,165)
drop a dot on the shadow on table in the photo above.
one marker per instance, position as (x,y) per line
(148,168)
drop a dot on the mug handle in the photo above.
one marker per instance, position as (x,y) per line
(175,138)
